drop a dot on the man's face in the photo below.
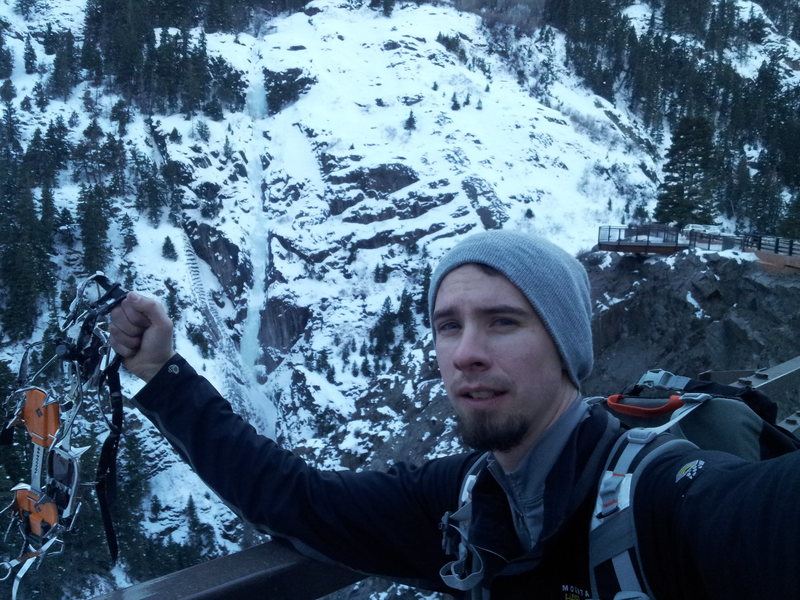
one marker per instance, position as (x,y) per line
(501,369)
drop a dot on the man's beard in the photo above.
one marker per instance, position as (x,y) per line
(488,432)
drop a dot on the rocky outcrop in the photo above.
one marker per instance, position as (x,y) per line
(390,237)
(377,181)
(282,324)
(688,314)
(485,202)
(229,265)
(411,207)
(285,87)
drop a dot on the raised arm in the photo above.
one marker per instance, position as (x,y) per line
(378,523)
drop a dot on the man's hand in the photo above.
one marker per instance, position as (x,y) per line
(141,333)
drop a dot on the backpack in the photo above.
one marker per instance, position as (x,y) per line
(694,413)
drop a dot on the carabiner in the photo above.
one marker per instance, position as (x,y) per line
(8,565)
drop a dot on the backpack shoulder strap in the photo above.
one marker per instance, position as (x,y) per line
(466,572)
(614,563)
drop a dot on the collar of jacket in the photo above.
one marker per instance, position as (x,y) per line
(573,477)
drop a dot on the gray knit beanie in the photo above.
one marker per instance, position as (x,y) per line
(553,281)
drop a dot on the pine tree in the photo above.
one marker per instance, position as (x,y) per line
(122,115)
(202,130)
(29,57)
(129,240)
(113,160)
(382,333)
(200,543)
(765,210)
(6,59)
(227,149)
(173,306)
(686,17)
(168,250)
(21,266)
(381,273)
(285,87)
(64,75)
(218,16)
(122,31)
(411,121)
(790,226)
(90,103)
(65,225)
(196,89)
(227,84)
(86,155)
(150,191)
(167,71)
(422,299)
(24,7)
(7,91)
(10,147)
(93,218)
(685,195)
(49,40)
(57,148)
(739,192)
(40,96)
(90,56)
(405,316)
(47,220)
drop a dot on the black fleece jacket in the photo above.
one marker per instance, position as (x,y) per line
(732,531)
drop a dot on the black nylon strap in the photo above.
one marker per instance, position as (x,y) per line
(106,487)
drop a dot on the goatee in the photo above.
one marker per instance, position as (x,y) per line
(484,431)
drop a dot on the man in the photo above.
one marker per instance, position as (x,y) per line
(511,316)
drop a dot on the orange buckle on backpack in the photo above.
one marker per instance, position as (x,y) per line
(615,404)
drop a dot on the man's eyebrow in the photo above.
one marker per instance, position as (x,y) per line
(444,313)
(505,309)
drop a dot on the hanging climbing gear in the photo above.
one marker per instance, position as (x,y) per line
(46,507)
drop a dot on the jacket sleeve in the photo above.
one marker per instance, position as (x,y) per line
(711,525)
(383,523)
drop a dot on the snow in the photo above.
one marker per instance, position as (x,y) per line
(699,313)
(559,164)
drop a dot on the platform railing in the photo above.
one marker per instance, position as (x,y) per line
(272,571)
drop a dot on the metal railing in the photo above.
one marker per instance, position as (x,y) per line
(644,239)
(774,381)
(663,239)
(272,571)
(768,243)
